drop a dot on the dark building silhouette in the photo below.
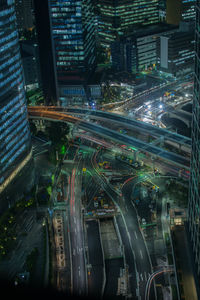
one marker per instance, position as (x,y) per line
(46,53)
(180,10)
(24,15)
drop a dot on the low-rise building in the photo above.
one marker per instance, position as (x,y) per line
(175,51)
(138,51)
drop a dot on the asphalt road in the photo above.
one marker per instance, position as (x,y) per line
(107,133)
(142,258)
(172,157)
(96,277)
(135,244)
(77,236)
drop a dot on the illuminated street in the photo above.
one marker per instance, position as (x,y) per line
(100,149)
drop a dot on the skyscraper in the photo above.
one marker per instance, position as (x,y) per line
(24,15)
(119,16)
(194,185)
(15,145)
(72,42)
(46,53)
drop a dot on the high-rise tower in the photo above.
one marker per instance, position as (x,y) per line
(15,144)
(117,17)
(24,15)
(71,40)
(194,186)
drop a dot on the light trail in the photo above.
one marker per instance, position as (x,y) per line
(95,140)
(73,190)
(71,199)
(179,160)
(151,278)
(128,180)
(66,199)
(77,150)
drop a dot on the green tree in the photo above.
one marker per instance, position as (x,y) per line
(57,132)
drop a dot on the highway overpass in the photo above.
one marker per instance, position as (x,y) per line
(182,115)
(147,128)
(46,114)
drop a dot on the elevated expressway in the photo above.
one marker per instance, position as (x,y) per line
(67,115)
(182,115)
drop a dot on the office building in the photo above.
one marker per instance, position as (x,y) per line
(176,51)
(15,144)
(138,51)
(70,46)
(180,10)
(194,184)
(162,10)
(24,15)
(31,64)
(46,51)
(118,17)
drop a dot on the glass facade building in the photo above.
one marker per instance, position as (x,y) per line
(194,186)
(66,38)
(15,143)
(119,16)
(73,37)
(188,10)
(175,53)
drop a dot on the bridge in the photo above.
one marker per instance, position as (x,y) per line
(131,123)
(59,114)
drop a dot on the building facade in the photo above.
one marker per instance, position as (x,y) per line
(138,52)
(46,51)
(188,10)
(24,15)
(176,53)
(69,34)
(31,64)
(15,143)
(118,17)
(194,185)
(162,10)
(73,31)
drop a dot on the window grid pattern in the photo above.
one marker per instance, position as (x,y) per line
(73,38)
(14,128)
(117,17)
(194,186)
